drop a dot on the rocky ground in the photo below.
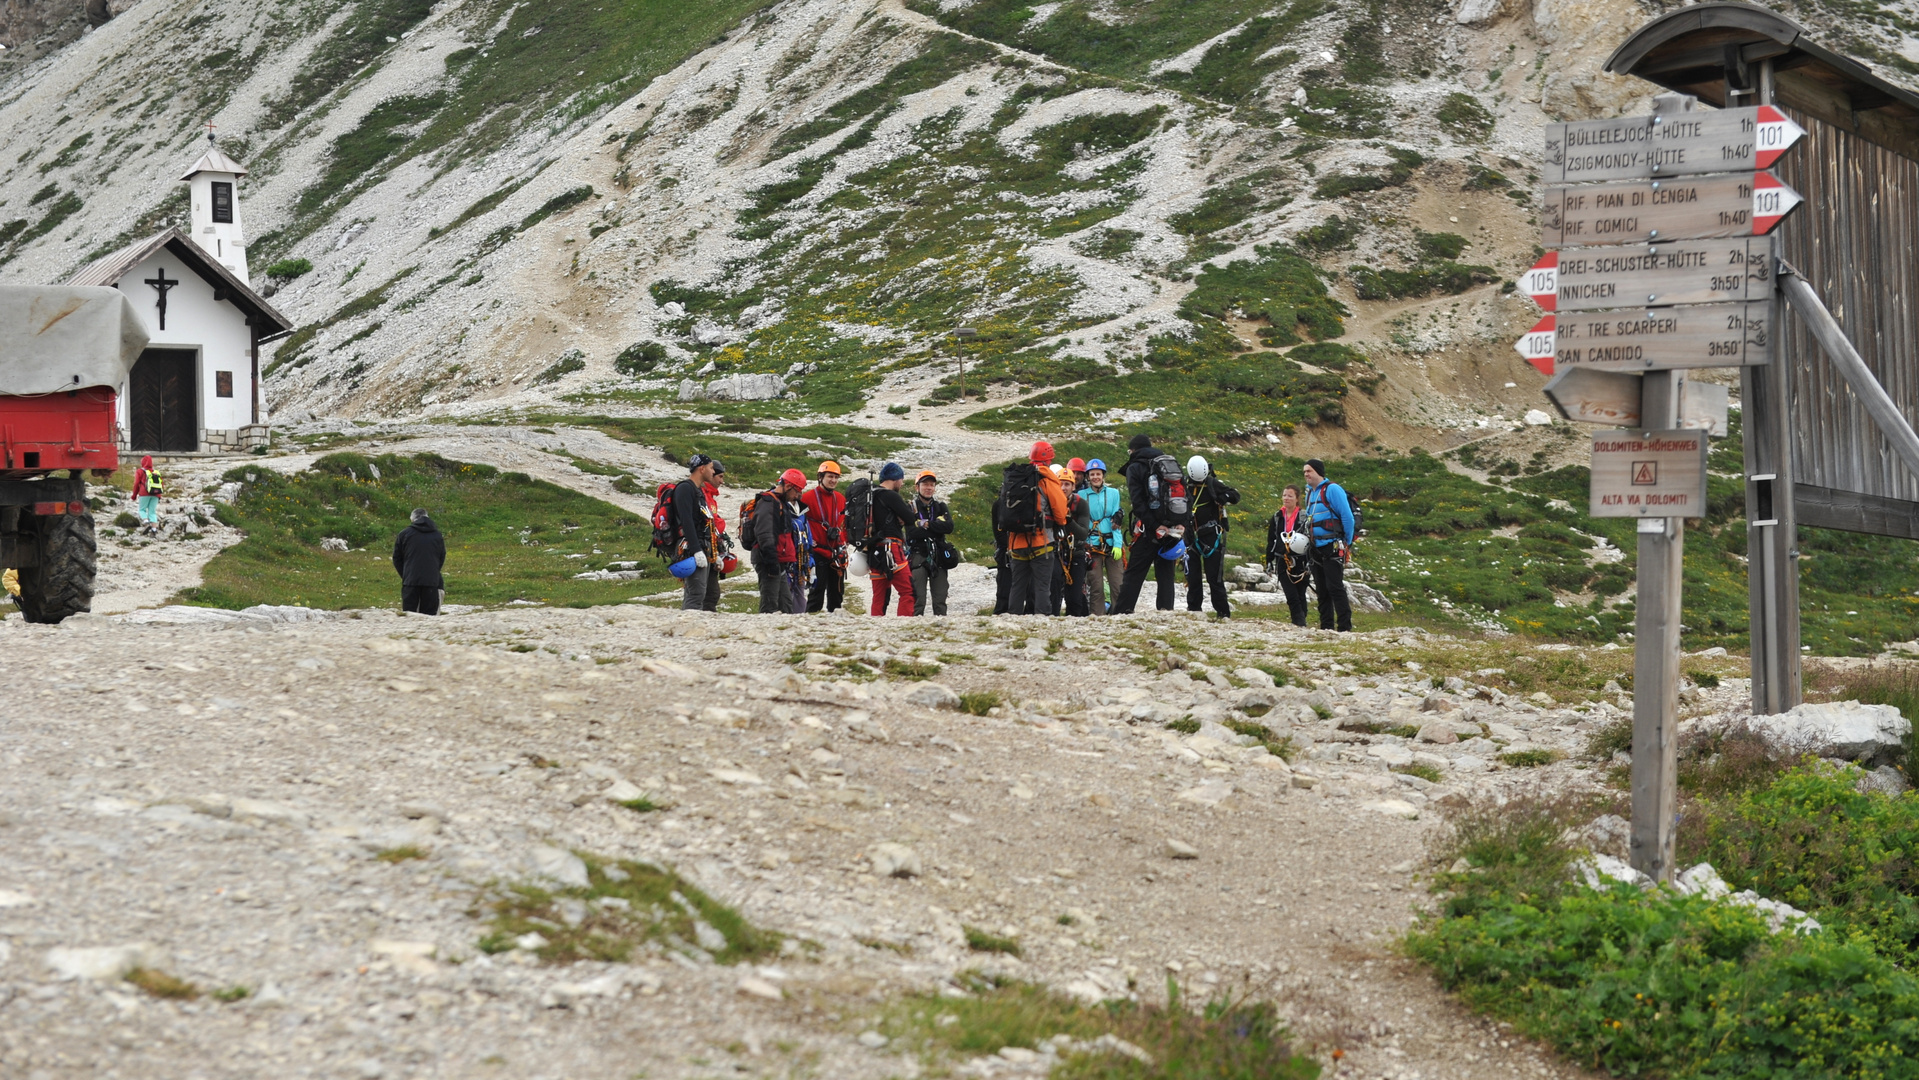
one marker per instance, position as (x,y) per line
(209,800)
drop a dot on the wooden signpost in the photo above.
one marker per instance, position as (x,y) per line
(1661,261)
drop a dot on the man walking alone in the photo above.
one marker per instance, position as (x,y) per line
(419,555)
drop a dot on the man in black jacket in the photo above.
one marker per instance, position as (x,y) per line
(1206,547)
(693,517)
(1149,526)
(774,545)
(419,554)
(925,535)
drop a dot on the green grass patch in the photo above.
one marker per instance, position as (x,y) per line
(984,941)
(400,854)
(162,985)
(1221,1040)
(1527,759)
(1425,772)
(508,536)
(1464,118)
(626,908)
(1185,725)
(980,702)
(230,994)
(1280,287)
(642,805)
(1653,983)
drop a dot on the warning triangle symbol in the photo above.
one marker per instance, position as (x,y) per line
(1645,472)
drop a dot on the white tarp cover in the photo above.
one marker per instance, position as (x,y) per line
(62,337)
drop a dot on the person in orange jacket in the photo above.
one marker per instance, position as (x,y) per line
(1034,509)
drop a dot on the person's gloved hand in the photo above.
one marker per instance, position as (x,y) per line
(700,560)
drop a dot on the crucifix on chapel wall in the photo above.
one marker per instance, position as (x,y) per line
(161,283)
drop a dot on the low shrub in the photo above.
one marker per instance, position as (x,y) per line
(983,941)
(1424,772)
(979,702)
(1529,759)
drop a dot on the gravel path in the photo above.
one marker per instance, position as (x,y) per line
(211,797)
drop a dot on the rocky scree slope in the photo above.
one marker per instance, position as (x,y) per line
(505,203)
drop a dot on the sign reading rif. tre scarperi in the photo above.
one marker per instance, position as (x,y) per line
(1649,474)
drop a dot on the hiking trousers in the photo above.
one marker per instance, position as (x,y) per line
(1329,581)
(1213,570)
(775,597)
(1002,582)
(1103,574)
(700,587)
(1295,594)
(886,582)
(420,599)
(929,579)
(1076,603)
(1031,592)
(1144,559)
(829,585)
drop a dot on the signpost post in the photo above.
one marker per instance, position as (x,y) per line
(1661,262)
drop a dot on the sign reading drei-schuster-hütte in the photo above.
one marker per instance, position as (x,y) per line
(1669,144)
(1682,272)
(1649,473)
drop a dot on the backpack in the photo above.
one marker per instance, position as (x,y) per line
(859,513)
(666,524)
(746,517)
(154,485)
(1166,487)
(1019,499)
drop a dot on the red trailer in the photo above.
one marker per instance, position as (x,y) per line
(64,354)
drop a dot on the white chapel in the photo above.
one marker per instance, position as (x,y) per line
(197,385)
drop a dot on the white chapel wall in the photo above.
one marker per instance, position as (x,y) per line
(196,320)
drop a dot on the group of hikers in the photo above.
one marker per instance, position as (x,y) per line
(1066,540)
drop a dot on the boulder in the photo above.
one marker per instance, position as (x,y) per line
(1367,598)
(895,860)
(1440,733)
(1871,735)
(931,695)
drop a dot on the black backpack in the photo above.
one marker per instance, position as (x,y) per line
(859,513)
(1166,486)
(1019,499)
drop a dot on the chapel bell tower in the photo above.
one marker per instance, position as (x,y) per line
(214,187)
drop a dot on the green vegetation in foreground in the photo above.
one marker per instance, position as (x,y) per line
(1653,983)
(748,464)
(1454,553)
(625,907)
(1223,1040)
(508,536)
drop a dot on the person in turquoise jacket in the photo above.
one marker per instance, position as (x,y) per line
(1106,546)
(1331,515)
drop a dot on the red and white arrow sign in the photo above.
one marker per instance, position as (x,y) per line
(1771,200)
(1775,136)
(1540,344)
(1542,282)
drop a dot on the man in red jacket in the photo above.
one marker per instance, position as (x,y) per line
(826,523)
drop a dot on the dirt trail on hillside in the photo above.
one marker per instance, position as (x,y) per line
(214,811)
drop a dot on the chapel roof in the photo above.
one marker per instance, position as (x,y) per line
(214,161)
(109,269)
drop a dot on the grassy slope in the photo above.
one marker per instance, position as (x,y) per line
(508,537)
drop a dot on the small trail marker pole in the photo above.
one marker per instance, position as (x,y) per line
(965,334)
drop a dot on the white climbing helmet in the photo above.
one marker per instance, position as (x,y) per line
(1197,468)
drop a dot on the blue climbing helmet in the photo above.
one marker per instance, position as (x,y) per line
(1096,463)
(1176,553)
(685,567)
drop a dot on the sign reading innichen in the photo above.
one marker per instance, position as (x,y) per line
(1649,474)
(1682,272)
(1671,144)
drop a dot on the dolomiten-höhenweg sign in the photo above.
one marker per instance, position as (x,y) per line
(1649,474)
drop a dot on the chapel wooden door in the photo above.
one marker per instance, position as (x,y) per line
(162,401)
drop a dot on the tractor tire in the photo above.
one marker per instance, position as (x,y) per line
(62,584)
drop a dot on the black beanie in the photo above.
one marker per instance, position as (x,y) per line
(1139,442)
(1316,465)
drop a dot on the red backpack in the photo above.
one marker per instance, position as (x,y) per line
(666,524)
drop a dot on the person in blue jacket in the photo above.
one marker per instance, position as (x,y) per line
(1106,547)
(1331,514)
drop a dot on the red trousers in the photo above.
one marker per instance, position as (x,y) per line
(899,579)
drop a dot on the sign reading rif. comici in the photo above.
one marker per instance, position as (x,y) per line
(1649,474)
(1644,211)
(1673,144)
